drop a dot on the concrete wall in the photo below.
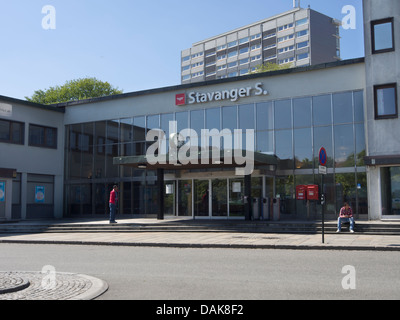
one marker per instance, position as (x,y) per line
(383,68)
(323,40)
(35,160)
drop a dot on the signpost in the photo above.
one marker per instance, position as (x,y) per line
(323,159)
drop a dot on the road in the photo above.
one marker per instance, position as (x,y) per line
(217,274)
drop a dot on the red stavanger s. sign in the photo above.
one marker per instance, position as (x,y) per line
(180,99)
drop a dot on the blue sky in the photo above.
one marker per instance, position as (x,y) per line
(134,45)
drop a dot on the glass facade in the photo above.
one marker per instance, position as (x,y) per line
(292,129)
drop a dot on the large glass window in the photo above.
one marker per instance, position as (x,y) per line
(265,141)
(344,146)
(265,116)
(283,114)
(182,119)
(302,112)
(303,151)
(246,117)
(322,112)
(360,144)
(139,129)
(343,107)
(359,106)
(386,101)
(284,148)
(229,118)
(213,119)
(382,35)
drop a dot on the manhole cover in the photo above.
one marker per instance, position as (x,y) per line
(12,283)
(38,286)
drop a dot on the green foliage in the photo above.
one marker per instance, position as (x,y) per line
(79,89)
(268,67)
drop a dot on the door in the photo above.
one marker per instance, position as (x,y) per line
(169,198)
(219,196)
(185,198)
(236,198)
(202,198)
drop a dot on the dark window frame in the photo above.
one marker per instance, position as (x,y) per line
(44,144)
(22,132)
(386,86)
(378,22)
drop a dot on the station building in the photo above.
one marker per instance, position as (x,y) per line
(62,160)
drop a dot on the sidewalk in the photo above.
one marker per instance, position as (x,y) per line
(234,240)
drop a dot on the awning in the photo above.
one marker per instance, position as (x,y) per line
(200,160)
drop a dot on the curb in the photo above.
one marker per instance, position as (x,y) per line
(206,246)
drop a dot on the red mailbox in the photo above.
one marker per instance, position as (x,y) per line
(301,192)
(313,192)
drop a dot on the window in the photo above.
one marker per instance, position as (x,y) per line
(42,136)
(302,56)
(386,101)
(285,38)
(232,64)
(282,50)
(196,55)
(382,35)
(285,27)
(301,22)
(232,54)
(302,33)
(244,40)
(244,50)
(258,57)
(232,44)
(302,45)
(12,132)
(271,35)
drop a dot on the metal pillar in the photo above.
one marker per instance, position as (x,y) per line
(248,200)
(160,189)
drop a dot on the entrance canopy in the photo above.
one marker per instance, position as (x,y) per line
(200,159)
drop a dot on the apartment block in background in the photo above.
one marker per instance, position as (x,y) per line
(299,37)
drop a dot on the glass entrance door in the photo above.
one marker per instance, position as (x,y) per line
(202,198)
(219,203)
(185,198)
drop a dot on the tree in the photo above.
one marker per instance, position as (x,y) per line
(268,67)
(79,89)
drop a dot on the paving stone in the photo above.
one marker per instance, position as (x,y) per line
(42,286)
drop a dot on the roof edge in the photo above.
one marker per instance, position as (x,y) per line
(32,104)
(214,82)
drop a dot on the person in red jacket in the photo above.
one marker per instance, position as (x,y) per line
(346,215)
(113,204)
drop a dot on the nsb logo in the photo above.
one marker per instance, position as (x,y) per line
(180,99)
